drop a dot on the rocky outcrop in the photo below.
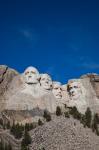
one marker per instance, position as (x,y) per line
(24,97)
(82,94)
(63,134)
(6,76)
(31,90)
(94,79)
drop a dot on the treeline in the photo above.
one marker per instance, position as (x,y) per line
(4,146)
(19,132)
(22,131)
(87,119)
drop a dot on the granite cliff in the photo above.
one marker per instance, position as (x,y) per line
(31,90)
(25,96)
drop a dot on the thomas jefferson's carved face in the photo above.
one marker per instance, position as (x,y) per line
(74,89)
(31,75)
(57,91)
(46,81)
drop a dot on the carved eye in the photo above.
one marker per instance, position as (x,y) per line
(75,87)
(26,72)
(33,72)
(70,88)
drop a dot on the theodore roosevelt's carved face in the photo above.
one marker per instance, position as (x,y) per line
(57,91)
(46,81)
(74,89)
(31,75)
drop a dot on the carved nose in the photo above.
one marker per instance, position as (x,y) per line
(59,92)
(30,76)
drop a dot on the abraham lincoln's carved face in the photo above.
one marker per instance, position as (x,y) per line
(57,90)
(31,75)
(74,89)
(46,81)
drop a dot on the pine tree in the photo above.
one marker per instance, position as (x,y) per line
(83,120)
(1,122)
(47,116)
(31,126)
(6,147)
(67,114)
(1,145)
(58,111)
(17,130)
(95,123)
(74,112)
(40,123)
(88,117)
(26,139)
(27,126)
(8,125)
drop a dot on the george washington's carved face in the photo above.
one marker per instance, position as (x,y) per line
(31,75)
(46,81)
(57,90)
(74,89)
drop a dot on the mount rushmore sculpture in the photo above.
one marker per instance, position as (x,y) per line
(31,90)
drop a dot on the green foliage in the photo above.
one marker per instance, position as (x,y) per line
(17,130)
(1,122)
(88,117)
(40,123)
(27,126)
(67,114)
(58,111)
(30,126)
(8,125)
(83,120)
(26,139)
(74,112)
(24,148)
(5,146)
(47,116)
(1,145)
(95,124)
(4,125)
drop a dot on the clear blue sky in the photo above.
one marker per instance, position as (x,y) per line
(58,37)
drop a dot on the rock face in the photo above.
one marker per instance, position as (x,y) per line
(31,90)
(94,79)
(24,97)
(7,138)
(6,76)
(63,134)
(82,95)
(91,83)
(27,96)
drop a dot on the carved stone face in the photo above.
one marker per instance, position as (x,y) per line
(57,91)
(31,75)
(46,81)
(74,89)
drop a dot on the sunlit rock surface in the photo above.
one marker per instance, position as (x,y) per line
(6,76)
(32,89)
